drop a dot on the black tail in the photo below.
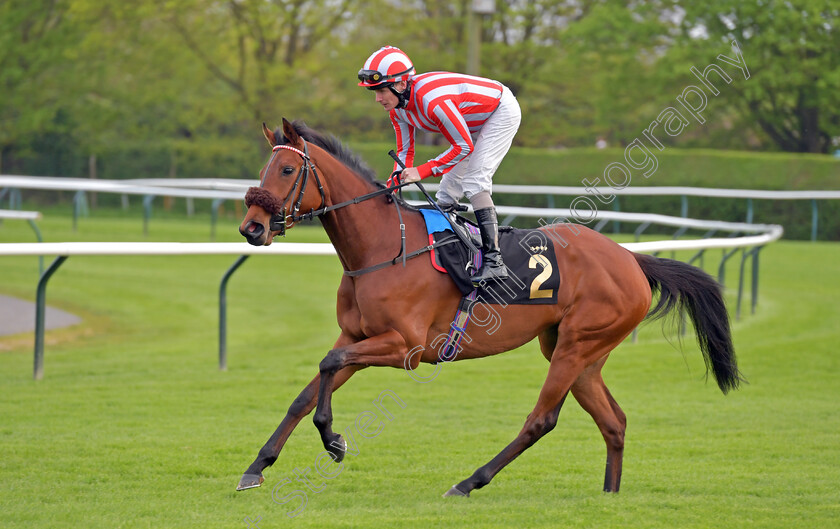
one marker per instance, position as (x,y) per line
(692,290)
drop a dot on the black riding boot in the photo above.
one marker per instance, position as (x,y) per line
(492,266)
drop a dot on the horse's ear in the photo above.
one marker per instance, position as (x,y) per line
(269,136)
(290,133)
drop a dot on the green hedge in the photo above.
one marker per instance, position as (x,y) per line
(676,167)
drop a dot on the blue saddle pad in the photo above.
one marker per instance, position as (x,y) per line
(435,221)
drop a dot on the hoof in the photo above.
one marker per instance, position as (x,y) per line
(454,491)
(250,481)
(337,449)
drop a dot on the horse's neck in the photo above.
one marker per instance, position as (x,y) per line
(365,233)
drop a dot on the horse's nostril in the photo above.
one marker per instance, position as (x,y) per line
(252,231)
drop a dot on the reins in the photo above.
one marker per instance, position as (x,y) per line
(278,221)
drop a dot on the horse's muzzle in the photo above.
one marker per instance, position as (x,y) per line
(254,233)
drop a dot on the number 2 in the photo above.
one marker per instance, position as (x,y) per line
(536,291)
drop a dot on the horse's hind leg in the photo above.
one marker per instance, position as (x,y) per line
(548,342)
(564,369)
(594,397)
(300,408)
(574,351)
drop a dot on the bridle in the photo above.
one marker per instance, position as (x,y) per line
(280,220)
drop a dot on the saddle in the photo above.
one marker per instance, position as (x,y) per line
(467,229)
(465,226)
(528,254)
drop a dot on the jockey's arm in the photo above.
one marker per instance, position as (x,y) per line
(405,141)
(454,128)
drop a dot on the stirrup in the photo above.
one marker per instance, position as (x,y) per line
(494,270)
(495,275)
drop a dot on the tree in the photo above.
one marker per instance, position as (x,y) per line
(581,69)
(263,51)
(791,49)
(34,76)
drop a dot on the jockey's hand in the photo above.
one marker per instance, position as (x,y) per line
(394,179)
(410,174)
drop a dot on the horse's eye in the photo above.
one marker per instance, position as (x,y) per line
(288,170)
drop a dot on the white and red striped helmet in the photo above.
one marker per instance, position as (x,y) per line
(386,66)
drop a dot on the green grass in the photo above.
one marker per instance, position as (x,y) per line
(134,426)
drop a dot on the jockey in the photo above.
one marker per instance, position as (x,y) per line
(478,117)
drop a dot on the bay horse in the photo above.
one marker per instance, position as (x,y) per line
(392,315)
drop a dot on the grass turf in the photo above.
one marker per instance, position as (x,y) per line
(134,426)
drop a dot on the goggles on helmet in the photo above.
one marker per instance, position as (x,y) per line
(376,79)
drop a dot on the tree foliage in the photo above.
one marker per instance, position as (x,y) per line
(34,38)
(793,94)
(188,79)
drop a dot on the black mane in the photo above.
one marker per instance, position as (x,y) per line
(332,145)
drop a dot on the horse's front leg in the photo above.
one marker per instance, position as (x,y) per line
(387,349)
(300,408)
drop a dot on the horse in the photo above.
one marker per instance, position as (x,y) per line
(390,311)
